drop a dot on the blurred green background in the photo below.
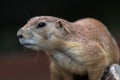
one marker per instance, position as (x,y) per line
(15,13)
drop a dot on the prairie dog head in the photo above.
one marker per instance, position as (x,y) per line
(43,32)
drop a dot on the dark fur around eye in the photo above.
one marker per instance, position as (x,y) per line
(41,24)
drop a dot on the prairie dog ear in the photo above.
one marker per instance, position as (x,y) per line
(62,26)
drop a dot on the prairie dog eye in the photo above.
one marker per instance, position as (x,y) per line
(41,24)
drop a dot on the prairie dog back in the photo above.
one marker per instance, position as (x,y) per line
(93,30)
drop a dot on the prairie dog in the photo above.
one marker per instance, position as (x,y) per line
(81,47)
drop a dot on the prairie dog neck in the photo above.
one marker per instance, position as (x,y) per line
(65,57)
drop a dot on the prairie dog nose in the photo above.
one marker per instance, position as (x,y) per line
(24,33)
(19,33)
(20,36)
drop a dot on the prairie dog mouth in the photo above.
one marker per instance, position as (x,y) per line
(27,42)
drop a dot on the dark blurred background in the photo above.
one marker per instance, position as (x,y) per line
(15,13)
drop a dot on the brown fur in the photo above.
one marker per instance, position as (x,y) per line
(81,47)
